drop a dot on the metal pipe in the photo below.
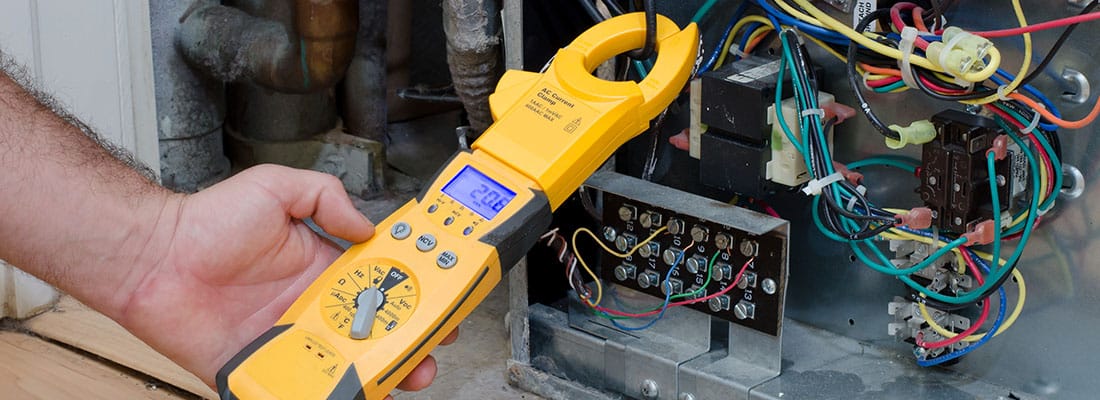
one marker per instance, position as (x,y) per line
(473,54)
(306,54)
(365,86)
(190,109)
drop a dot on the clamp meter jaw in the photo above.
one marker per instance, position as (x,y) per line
(380,308)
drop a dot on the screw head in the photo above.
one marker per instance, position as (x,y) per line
(650,390)
(686,396)
(769,286)
(609,233)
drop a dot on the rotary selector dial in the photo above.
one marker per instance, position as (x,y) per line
(370,302)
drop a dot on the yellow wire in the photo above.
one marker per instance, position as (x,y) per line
(975,337)
(1024,66)
(831,51)
(733,33)
(794,12)
(596,279)
(898,234)
(840,27)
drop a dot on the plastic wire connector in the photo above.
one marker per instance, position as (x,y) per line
(918,132)
(982,233)
(905,46)
(999,147)
(735,49)
(918,218)
(813,187)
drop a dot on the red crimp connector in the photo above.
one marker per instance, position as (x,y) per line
(1000,148)
(852,177)
(681,140)
(917,218)
(982,233)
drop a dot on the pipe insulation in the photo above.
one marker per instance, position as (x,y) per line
(472,28)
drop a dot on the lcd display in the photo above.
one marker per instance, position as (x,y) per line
(478,192)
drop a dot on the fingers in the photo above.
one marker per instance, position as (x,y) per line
(450,338)
(420,377)
(305,194)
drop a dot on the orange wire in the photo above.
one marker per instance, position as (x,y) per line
(880,71)
(751,45)
(1081,123)
(918,19)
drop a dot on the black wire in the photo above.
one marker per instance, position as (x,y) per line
(650,33)
(854,82)
(1057,46)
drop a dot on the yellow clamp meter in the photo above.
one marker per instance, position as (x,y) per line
(380,308)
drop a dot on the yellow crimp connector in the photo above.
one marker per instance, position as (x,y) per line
(959,52)
(919,132)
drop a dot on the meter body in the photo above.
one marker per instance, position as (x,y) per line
(381,307)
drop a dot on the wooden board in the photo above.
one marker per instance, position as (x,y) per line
(35,369)
(77,325)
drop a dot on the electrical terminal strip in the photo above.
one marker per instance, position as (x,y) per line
(908,323)
(942,274)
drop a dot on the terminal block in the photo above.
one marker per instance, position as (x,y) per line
(954,176)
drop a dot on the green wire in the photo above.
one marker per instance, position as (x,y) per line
(889,88)
(703,10)
(707,282)
(899,162)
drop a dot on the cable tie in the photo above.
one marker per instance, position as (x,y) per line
(813,187)
(1034,124)
(735,49)
(865,85)
(905,46)
(862,190)
(1001,95)
(813,111)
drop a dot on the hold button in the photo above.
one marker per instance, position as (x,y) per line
(447,259)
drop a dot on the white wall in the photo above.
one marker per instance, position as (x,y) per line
(95,57)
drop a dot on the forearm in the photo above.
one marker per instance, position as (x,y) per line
(70,212)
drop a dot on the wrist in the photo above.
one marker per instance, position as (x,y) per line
(146,252)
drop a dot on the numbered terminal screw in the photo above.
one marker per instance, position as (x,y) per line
(748,279)
(625,271)
(700,233)
(627,212)
(650,249)
(696,263)
(723,240)
(625,242)
(649,219)
(672,255)
(721,271)
(648,279)
(720,303)
(675,226)
(675,285)
(744,310)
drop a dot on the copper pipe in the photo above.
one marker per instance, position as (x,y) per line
(307,54)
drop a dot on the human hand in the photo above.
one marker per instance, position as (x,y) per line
(238,256)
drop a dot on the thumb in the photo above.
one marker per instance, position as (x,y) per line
(305,194)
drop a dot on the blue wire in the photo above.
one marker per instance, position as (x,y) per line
(777,17)
(737,15)
(1034,93)
(988,335)
(664,307)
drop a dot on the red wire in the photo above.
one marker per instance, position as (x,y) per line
(1048,165)
(1040,26)
(895,16)
(973,327)
(681,303)
(883,82)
